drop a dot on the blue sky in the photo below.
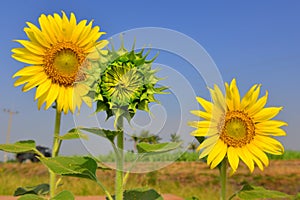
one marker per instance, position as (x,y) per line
(253,41)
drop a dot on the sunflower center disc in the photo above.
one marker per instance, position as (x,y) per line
(122,84)
(66,62)
(63,63)
(237,129)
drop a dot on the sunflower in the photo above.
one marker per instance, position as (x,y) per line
(236,128)
(123,81)
(57,54)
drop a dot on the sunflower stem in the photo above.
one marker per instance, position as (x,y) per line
(120,161)
(55,151)
(223,178)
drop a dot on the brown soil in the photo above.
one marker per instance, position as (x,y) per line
(166,197)
(280,175)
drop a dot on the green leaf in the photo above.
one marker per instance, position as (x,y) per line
(31,197)
(141,194)
(144,147)
(108,134)
(19,147)
(83,167)
(74,134)
(200,139)
(255,192)
(64,195)
(41,189)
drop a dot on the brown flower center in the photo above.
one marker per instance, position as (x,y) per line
(236,129)
(63,63)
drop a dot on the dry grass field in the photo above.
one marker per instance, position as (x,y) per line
(184,179)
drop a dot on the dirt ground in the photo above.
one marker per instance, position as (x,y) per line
(280,175)
(166,197)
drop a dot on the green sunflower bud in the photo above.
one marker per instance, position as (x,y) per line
(123,81)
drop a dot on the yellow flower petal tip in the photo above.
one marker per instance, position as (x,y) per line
(57,53)
(244,129)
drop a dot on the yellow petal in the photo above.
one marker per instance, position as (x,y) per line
(206,132)
(268,144)
(246,157)
(22,80)
(258,163)
(266,114)
(29,71)
(29,58)
(56,27)
(66,102)
(218,147)
(271,131)
(79,29)
(85,32)
(202,114)
(205,104)
(52,95)
(235,95)
(209,141)
(220,98)
(46,29)
(248,97)
(42,88)
(254,96)
(93,33)
(217,101)
(205,151)
(38,35)
(34,48)
(220,156)
(35,81)
(70,97)
(60,98)
(42,99)
(233,158)
(259,154)
(257,106)
(200,124)
(270,124)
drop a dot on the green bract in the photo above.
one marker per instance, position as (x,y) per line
(123,81)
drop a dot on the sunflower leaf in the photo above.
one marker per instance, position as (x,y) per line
(31,197)
(41,189)
(64,195)
(141,194)
(74,134)
(255,192)
(83,167)
(144,147)
(108,134)
(19,147)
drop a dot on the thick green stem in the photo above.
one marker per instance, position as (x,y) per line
(120,162)
(223,178)
(55,151)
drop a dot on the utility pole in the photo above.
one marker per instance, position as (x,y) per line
(11,113)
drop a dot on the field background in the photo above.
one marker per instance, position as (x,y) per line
(185,178)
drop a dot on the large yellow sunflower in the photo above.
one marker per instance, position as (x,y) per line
(57,54)
(238,128)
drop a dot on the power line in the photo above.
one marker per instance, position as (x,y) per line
(11,113)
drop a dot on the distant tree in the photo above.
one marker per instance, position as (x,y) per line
(193,146)
(145,136)
(135,139)
(175,138)
(154,139)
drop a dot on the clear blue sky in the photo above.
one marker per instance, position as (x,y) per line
(254,41)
